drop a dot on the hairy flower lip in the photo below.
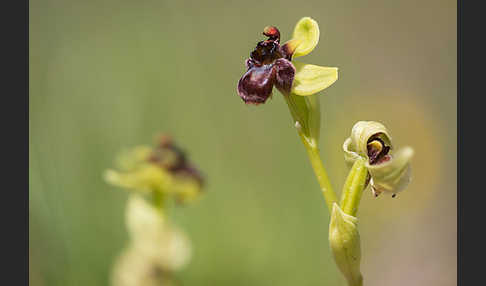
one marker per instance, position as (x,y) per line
(266,52)
(269,65)
(285,75)
(256,85)
(295,78)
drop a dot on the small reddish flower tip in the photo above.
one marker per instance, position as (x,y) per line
(272,33)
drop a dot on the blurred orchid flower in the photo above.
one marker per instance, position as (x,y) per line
(156,250)
(160,171)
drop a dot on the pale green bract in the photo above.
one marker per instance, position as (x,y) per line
(345,243)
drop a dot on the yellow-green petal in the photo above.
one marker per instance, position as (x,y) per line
(310,79)
(307,31)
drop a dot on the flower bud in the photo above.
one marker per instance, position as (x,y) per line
(133,268)
(345,245)
(142,218)
(371,140)
(154,236)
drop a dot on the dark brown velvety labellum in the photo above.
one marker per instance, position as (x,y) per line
(285,75)
(269,64)
(256,85)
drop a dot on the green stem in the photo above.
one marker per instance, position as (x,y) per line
(353,187)
(305,111)
(321,174)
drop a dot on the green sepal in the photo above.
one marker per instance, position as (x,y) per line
(307,32)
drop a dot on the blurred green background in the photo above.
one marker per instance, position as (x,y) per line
(108,75)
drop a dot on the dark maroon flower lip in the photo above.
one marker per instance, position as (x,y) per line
(269,64)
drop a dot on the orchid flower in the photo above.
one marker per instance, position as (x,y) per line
(372,142)
(162,171)
(271,64)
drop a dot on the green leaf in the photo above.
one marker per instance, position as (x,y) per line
(310,79)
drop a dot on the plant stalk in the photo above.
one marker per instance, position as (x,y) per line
(321,174)
(353,187)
